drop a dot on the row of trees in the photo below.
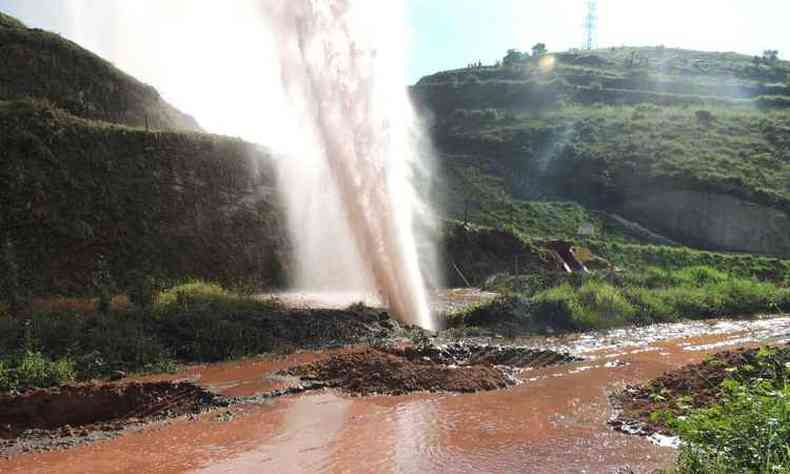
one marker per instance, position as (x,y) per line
(770,57)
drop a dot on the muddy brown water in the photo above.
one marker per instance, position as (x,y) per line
(556,421)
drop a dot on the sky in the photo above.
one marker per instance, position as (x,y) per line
(214,63)
(447,34)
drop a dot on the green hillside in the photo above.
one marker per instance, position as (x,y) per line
(37,63)
(638,132)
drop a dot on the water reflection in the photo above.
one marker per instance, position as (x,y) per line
(302,443)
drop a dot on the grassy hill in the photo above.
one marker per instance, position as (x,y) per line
(640,132)
(37,63)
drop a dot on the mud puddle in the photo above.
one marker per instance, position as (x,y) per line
(555,420)
(71,415)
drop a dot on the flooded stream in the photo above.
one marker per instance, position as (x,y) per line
(554,421)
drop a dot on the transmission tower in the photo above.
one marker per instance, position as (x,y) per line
(590,24)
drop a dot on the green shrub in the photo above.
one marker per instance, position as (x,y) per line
(748,433)
(555,308)
(742,296)
(195,321)
(697,292)
(651,305)
(208,335)
(602,305)
(192,291)
(34,370)
(693,303)
(652,277)
(700,275)
(782,299)
(595,305)
(6,383)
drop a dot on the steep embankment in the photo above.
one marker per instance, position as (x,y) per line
(105,185)
(680,141)
(165,204)
(37,63)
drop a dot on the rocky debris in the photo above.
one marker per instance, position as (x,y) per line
(324,328)
(67,416)
(462,353)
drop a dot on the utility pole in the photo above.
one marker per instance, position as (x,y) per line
(590,25)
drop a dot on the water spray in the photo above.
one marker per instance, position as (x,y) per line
(338,62)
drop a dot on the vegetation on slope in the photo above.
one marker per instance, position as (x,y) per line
(570,303)
(190,322)
(606,127)
(88,198)
(606,155)
(40,64)
(617,75)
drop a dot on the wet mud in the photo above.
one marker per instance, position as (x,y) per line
(457,367)
(374,371)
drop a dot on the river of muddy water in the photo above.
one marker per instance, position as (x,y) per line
(553,422)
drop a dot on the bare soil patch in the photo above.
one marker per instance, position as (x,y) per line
(452,368)
(373,371)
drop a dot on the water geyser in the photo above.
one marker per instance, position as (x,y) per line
(348,183)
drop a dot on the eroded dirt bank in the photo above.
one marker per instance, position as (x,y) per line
(68,416)
(555,420)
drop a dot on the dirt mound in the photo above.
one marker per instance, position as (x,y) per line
(374,371)
(83,409)
(692,386)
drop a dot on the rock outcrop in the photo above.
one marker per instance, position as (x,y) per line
(714,221)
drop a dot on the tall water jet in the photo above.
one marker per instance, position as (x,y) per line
(358,145)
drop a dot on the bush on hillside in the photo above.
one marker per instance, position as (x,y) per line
(595,305)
